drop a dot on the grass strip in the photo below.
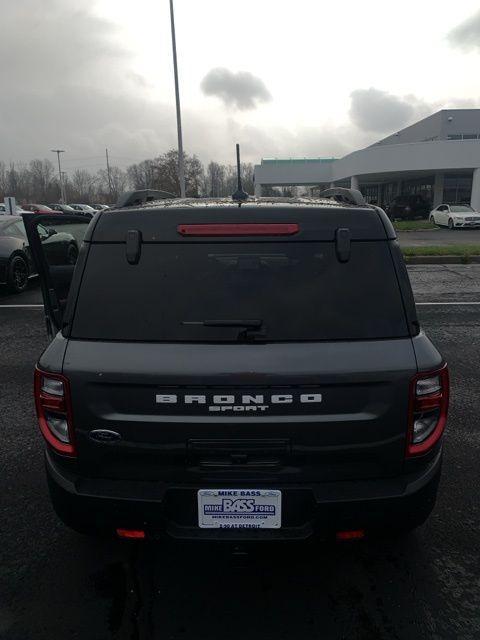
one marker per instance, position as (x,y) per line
(462,251)
(413,225)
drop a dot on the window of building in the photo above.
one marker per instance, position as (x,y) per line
(464,136)
(389,192)
(419,187)
(371,193)
(457,188)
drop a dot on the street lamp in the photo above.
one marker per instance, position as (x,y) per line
(181,167)
(60,176)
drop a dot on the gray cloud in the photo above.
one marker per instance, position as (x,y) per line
(68,84)
(242,90)
(377,111)
(466,35)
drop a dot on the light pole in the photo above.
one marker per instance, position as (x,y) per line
(64,185)
(181,167)
(60,176)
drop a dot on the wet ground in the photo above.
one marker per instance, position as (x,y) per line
(55,584)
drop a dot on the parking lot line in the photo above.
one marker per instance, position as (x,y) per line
(446,304)
(21,306)
(418,304)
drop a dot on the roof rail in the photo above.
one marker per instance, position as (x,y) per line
(135,198)
(348,196)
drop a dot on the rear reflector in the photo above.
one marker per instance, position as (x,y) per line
(256,229)
(356,534)
(137,534)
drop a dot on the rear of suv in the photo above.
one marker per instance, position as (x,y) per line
(225,372)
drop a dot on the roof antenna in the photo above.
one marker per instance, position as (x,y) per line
(240,195)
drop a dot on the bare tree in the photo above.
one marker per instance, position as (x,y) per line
(109,190)
(162,173)
(142,175)
(83,186)
(41,177)
(38,181)
(3,180)
(215,179)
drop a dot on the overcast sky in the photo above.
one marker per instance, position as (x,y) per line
(283,78)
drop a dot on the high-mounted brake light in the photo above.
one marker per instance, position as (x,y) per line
(355,534)
(428,410)
(242,229)
(54,412)
(133,534)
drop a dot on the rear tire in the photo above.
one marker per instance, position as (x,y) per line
(17,274)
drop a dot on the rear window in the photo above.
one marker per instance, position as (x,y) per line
(289,291)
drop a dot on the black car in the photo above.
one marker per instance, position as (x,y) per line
(239,373)
(409,207)
(16,263)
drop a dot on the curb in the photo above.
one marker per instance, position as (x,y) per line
(415,230)
(442,259)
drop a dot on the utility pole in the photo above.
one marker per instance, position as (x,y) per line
(110,186)
(181,167)
(60,176)
(64,184)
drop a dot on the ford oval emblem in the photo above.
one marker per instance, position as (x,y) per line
(104,435)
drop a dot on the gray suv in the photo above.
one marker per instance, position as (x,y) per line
(237,373)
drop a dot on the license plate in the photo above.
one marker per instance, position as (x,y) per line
(239,509)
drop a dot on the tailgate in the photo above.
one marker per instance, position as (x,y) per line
(284,412)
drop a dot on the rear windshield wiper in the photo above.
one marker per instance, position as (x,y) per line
(247,324)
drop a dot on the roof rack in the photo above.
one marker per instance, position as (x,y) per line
(135,198)
(347,196)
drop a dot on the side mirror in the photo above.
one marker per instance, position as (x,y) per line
(51,231)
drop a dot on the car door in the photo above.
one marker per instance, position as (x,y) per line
(446,215)
(56,246)
(442,214)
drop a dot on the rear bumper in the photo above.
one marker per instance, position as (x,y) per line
(308,510)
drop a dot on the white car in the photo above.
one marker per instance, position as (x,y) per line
(19,210)
(455,216)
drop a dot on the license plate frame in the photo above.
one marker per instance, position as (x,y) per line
(239,508)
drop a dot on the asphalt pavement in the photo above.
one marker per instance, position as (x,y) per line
(55,584)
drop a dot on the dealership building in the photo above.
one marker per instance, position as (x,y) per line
(438,157)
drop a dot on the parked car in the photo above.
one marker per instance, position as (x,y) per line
(19,209)
(62,208)
(408,207)
(37,208)
(455,216)
(100,207)
(16,263)
(84,209)
(254,373)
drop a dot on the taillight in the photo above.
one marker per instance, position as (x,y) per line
(239,229)
(54,413)
(428,410)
